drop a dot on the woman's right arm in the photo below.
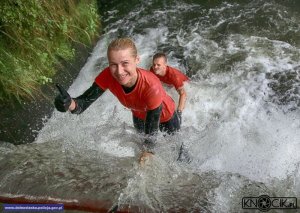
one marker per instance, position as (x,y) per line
(82,102)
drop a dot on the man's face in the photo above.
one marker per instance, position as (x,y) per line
(123,65)
(159,66)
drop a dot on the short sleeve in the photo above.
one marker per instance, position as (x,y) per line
(153,96)
(177,77)
(178,82)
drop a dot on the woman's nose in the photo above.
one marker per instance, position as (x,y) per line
(120,69)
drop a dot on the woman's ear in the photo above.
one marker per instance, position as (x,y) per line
(137,59)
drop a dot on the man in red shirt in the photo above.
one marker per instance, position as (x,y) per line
(170,76)
(137,89)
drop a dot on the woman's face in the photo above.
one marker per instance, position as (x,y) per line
(123,66)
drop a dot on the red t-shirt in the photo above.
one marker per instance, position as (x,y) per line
(148,94)
(172,77)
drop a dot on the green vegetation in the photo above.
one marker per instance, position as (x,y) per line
(34,35)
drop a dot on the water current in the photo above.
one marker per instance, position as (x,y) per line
(241,125)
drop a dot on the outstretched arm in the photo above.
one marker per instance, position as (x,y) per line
(63,102)
(82,102)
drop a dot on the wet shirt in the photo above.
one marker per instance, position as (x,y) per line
(172,77)
(148,94)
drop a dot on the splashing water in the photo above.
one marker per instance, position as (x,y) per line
(240,126)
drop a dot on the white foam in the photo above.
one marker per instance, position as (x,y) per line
(243,131)
(114,148)
(233,126)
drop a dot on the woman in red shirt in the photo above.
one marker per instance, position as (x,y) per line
(137,89)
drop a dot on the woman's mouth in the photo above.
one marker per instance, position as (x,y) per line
(122,77)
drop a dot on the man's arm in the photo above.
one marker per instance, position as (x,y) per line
(182,99)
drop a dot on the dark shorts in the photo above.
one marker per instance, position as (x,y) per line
(169,127)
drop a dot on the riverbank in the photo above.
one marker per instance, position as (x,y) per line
(41,43)
(35,36)
(20,123)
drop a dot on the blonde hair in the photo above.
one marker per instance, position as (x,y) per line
(122,44)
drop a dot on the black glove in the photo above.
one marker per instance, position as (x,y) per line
(62,101)
(179,113)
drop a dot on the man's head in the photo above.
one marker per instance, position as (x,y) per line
(159,64)
(123,59)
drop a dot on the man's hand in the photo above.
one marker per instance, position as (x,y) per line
(63,100)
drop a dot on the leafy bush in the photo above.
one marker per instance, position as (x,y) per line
(34,34)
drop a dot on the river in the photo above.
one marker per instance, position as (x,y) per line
(241,125)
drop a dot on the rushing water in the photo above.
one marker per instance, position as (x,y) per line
(241,125)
